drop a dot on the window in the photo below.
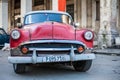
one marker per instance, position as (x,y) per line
(70,10)
(97,10)
(43,17)
(38,2)
(17,4)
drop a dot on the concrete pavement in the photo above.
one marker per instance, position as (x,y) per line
(104,67)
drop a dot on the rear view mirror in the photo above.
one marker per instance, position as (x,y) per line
(77,24)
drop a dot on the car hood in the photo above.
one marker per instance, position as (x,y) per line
(51,30)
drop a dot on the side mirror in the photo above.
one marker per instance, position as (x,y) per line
(77,24)
(19,25)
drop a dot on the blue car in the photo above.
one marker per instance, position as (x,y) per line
(4,37)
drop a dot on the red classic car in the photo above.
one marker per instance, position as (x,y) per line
(50,37)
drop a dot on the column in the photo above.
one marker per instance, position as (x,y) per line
(84,13)
(93,14)
(113,21)
(118,15)
(26,6)
(59,5)
(12,14)
(108,19)
(77,12)
(55,5)
(89,14)
(10,26)
(50,3)
(4,14)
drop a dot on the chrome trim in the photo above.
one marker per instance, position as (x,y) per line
(51,49)
(41,59)
(34,57)
(89,48)
(54,41)
(72,54)
(47,11)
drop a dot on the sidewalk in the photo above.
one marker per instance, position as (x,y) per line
(107,51)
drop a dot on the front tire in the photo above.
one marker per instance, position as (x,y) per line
(19,68)
(82,66)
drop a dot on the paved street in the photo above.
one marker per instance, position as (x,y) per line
(105,67)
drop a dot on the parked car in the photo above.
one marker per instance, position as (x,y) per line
(4,37)
(50,37)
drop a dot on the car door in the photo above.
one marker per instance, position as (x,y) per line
(4,38)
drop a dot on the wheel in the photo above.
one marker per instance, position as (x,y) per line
(82,66)
(19,68)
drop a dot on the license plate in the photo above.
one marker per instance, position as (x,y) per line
(54,58)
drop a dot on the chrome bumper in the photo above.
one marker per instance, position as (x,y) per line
(42,59)
(34,59)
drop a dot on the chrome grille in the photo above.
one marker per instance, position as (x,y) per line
(52,46)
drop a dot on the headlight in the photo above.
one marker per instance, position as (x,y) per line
(15,34)
(88,35)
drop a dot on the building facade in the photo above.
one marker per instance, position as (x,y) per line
(101,16)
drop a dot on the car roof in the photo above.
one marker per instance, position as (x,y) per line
(47,11)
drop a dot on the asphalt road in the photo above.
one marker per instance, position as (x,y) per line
(104,67)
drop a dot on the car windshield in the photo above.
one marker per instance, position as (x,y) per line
(43,17)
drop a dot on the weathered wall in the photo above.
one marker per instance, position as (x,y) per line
(118,16)
(86,13)
(4,14)
(108,26)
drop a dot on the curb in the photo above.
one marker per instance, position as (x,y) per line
(107,52)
